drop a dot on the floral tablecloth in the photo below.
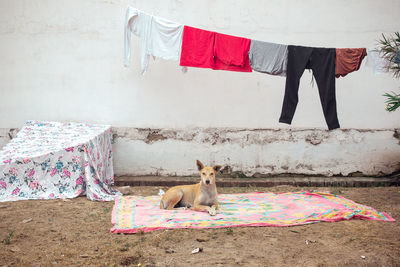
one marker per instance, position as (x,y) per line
(48,160)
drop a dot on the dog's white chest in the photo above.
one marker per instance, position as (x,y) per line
(207,198)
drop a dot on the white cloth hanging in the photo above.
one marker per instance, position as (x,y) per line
(159,37)
(376,61)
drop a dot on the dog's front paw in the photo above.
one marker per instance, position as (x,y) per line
(212,211)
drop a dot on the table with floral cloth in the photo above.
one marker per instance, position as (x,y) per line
(48,160)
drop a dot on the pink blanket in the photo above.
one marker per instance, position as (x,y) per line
(133,213)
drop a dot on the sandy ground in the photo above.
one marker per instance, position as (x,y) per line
(76,233)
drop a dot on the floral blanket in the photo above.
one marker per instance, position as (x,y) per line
(48,160)
(134,213)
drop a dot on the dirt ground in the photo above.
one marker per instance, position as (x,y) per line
(76,233)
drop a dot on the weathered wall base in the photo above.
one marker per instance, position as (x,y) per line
(253,152)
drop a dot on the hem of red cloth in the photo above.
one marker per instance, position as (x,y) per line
(229,68)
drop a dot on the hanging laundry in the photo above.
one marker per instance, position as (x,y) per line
(159,37)
(376,61)
(348,60)
(268,58)
(197,48)
(322,62)
(206,49)
(231,53)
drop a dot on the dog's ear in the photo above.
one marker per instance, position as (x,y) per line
(217,168)
(200,165)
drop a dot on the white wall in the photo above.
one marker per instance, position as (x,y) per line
(63,60)
(258,153)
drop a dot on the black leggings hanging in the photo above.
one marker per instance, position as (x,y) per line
(322,63)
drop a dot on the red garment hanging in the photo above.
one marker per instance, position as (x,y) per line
(231,53)
(348,60)
(206,49)
(197,48)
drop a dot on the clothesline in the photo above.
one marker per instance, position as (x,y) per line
(193,47)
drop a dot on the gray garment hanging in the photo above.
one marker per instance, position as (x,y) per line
(268,58)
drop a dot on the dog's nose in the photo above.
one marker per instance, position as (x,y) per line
(207,181)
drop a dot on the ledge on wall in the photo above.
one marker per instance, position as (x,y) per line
(393,180)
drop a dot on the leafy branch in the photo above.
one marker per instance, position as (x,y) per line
(392,101)
(390,47)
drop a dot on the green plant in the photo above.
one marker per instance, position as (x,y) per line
(7,240)
(390,47)
(392,101)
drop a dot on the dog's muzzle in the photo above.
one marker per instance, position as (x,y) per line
(207,181)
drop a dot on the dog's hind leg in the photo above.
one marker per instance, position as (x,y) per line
(177,196)
(170,199)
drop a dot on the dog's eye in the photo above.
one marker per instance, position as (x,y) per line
(211,174)
(204,173)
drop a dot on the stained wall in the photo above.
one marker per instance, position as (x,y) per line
(63,61)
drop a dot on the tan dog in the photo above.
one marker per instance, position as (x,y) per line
(199,197)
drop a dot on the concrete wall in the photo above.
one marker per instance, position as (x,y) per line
(62,60)
(258,152)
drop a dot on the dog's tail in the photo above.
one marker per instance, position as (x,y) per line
(162,204)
